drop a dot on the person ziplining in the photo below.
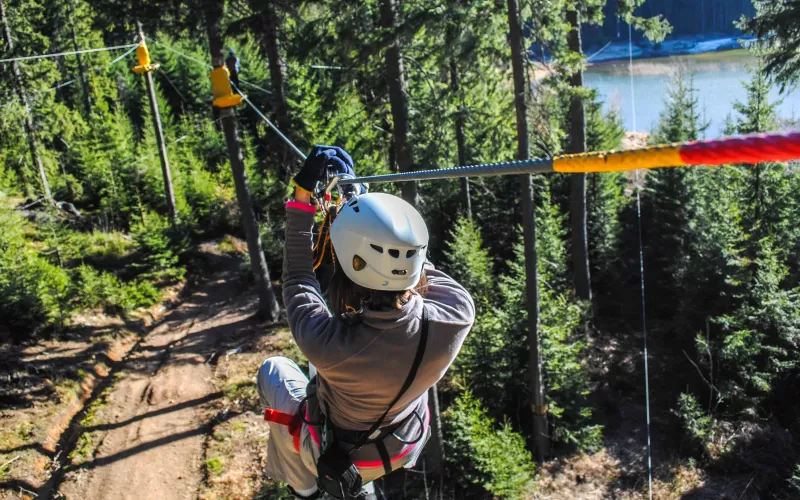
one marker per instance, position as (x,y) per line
(387,330)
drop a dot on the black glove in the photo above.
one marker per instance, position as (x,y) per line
(322,160)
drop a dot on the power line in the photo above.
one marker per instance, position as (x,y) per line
(60,54)
(198,61)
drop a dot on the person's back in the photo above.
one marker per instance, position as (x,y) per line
(364,340)
(362,367)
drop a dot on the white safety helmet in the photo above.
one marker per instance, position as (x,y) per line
(380,241)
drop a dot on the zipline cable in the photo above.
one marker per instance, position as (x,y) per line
(746,149)
(641,275)
(60,54)
(245,98)
(276,129)
(70,82)
(123,56)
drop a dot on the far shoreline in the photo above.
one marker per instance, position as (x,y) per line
(679,46)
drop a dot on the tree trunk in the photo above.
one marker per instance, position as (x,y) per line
(19,86)
(395,74)
(87,97)
(461,146)
(270,44)
(268,305)
(577,114)
(435,450)
(535,365)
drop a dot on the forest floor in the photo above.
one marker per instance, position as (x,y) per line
(161,406)
(164,406)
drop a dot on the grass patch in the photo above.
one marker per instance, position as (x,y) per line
(271,490)
(24,431)
(230,245)
(111,244)
(67,389)
(84,449)
(214,466)
(242,390)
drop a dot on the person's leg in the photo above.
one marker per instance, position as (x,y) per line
(282,386)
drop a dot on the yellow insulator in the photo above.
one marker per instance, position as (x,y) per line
(221,87)
(143,57)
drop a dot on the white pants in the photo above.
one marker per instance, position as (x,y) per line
(282,387)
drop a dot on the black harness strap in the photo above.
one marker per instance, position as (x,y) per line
(384,453)
(423,340)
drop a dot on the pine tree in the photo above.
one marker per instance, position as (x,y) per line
(775,24)
(668,206)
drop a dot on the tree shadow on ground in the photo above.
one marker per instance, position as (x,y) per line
(216,298)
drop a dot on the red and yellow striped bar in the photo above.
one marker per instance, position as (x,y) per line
(747,149)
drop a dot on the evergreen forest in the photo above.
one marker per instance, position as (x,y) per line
(142,229)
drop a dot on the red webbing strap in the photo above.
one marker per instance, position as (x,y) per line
(293,422)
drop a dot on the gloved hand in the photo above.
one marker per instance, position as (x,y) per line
(320,161)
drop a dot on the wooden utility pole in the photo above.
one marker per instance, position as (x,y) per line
(162,149)
(535,365)
(268,305)
(577,136)
(19,85)
(398,98)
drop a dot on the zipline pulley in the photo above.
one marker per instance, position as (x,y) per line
(143,57)
(221,87)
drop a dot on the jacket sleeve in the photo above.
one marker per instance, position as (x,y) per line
(310,320)
(452,301)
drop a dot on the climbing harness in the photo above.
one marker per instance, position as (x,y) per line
(337,474)
(293,422)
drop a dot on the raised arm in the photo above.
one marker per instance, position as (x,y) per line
(310,319)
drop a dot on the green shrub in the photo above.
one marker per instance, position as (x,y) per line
(33,291)
(696,422)
(160,247)
(491,457)
(98,289)
(794,481)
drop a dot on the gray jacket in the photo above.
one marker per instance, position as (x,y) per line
(361,368)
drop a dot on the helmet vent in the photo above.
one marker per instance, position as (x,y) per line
(410,254)
(400,272)
(394,253)
(356,209)
(376,248)
(352,203)
(358,263)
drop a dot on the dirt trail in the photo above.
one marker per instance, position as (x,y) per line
(148,440)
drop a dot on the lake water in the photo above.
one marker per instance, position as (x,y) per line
(718,79)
